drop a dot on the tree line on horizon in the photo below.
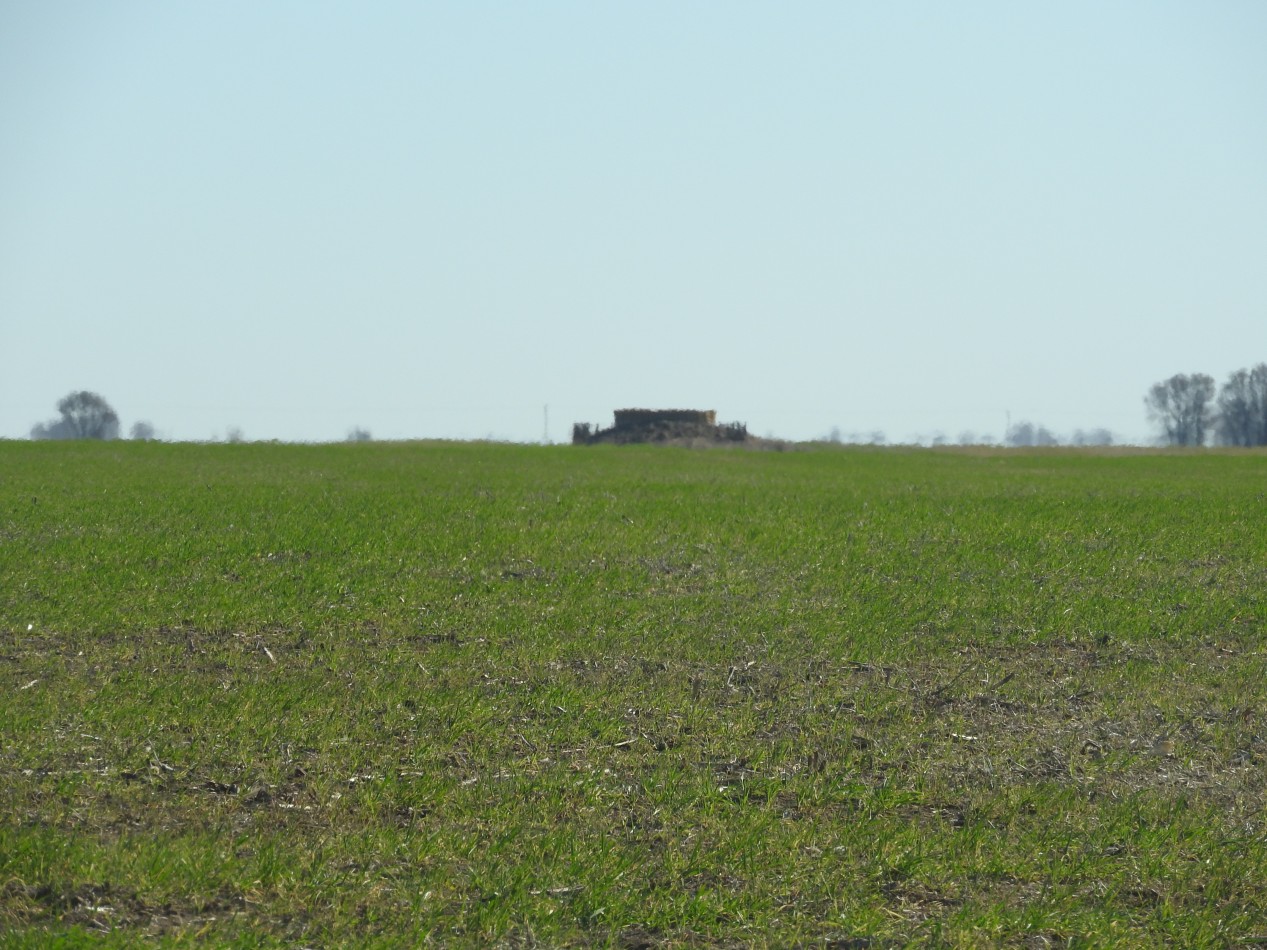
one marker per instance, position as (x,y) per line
(1189,413)
(1186,409)
(87,415)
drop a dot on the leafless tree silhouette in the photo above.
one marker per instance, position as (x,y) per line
(85,415)
(1181,405)
(1242,413)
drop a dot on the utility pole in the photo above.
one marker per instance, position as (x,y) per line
(545,437)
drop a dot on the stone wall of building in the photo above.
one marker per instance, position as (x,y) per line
(679,426)
(626,418)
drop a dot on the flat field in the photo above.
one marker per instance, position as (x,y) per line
(390,694)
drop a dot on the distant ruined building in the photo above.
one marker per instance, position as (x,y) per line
(682,426)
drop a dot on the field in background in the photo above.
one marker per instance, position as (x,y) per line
(538,696)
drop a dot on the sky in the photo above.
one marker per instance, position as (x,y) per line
(471,220)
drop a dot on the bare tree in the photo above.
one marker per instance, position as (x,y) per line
(53,429)
(85,415)
(1020,435)
(143,432)
(1242,412)
(1181,406)
(1026,435)
(1093,437)
(359,434)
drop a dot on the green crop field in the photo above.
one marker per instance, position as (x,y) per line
(472,695)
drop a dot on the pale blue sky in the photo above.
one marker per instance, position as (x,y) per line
(433,219)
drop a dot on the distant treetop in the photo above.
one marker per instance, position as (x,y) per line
(84,415)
